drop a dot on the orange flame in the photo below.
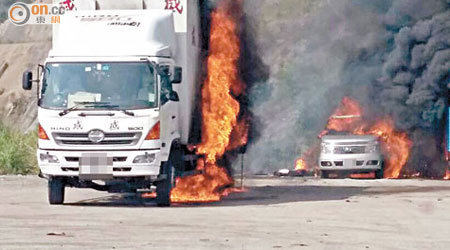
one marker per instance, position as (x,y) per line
(300,164)
(308,159)
(395,145)
(349,114)
(206,187)
(221,131)
(239,135)
(447,175)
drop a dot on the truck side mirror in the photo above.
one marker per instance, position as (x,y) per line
(173,96)
(27,80)
(177,75)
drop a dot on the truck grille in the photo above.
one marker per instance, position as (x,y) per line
(76,139)
(350,150)
(115,159)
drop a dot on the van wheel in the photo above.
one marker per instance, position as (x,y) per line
(325,174)
(379,174)
(56,188)
(164,187)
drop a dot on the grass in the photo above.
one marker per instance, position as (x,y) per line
(17,152)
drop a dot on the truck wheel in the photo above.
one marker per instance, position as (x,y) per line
(56,189)
(324,174)
(164,187)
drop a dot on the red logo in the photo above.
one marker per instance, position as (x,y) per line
(69,5)
(174,5)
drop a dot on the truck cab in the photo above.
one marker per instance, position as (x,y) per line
(116,97)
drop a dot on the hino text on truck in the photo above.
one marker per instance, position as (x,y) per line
(116,97)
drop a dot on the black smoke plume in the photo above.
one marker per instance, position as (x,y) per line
(415,80)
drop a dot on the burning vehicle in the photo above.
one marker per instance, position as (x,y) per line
(124,116)
(348,154)
(362,142)
(354,144)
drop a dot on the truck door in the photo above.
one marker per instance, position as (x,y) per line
(169,112)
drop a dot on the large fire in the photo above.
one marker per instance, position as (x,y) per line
(395,145)
(222,130)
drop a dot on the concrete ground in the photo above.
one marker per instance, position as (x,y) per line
(286,213)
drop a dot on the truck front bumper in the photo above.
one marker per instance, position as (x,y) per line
(66,163)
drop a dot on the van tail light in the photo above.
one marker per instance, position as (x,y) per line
(153,134)
(42,134)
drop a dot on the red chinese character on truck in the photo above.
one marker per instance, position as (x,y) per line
(174,5)
(69,5)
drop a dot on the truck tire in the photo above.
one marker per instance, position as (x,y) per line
(164,187)
(56,188)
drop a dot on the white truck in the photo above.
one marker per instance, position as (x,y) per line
(117,96)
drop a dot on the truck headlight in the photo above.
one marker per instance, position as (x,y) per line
(147,158)
(49,158)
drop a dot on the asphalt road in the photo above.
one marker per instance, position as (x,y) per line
(287,213)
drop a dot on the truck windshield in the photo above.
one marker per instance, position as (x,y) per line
(124,85)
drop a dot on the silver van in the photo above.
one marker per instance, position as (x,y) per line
(348,154)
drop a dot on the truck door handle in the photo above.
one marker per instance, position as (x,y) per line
(173,117)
